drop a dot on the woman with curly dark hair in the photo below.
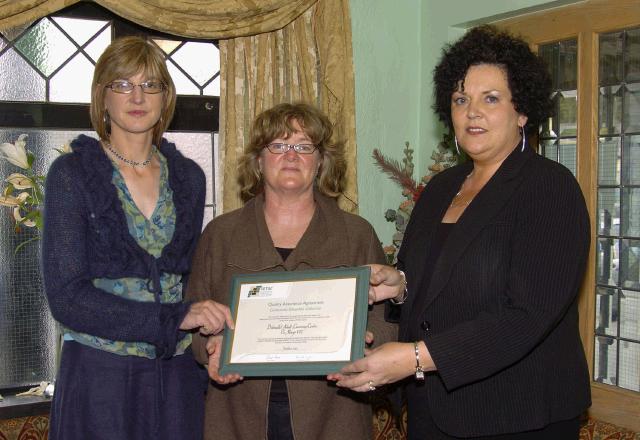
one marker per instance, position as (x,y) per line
(494,255)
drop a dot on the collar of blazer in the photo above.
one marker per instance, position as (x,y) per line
(322,245)
(487,203)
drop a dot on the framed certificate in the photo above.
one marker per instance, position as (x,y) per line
(306,323)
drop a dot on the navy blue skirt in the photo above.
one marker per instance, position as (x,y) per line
(100,395)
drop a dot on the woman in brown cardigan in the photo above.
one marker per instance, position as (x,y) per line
(291,173)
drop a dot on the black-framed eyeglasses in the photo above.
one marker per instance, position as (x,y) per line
(280,148)
(124,86)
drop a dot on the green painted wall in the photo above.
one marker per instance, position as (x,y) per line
(396,45)
(386,52)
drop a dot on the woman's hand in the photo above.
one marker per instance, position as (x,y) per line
(388,363)
(385,282)
(209,316)
(368,338)
(214,349)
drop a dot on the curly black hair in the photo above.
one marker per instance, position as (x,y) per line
(527,74)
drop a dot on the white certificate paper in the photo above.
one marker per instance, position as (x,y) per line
(294,321)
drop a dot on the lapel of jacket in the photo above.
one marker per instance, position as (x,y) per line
(484,207)
(422,225)
(252,248)
(322,245)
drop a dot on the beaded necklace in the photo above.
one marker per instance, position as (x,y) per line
(133,163)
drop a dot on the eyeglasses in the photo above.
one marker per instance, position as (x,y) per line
(123,86)
(278,148)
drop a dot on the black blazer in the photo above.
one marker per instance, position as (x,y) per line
(499,315)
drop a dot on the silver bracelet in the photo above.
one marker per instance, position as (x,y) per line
(419,368)
(405,293)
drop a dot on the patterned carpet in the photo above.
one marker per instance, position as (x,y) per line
(384,428)
(26,428)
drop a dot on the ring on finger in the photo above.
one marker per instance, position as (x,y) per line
(371,386)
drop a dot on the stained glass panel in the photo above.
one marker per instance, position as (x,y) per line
(610,62)
(629,264)
(184,86)
(631,169)
(608,261)
(167,46)
(604,369)
(609,161)
(199,60)
(609,211)
(629,365)
(567,154)
(28,86)
(45,46)
(632,108)
(79,29)
(568,65)
(632,56)
(213,88)
(568,112)
(73,82)
(607,312)
(97,46)
(631,212)
(610,110)
(27,330)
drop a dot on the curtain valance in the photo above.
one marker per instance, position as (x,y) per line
(213,19)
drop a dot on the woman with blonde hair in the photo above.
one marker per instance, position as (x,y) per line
(122,218)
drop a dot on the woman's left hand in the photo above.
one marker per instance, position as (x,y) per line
(214,349)
(388,363)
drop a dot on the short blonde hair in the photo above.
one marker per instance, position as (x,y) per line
(124,58)
(278,122)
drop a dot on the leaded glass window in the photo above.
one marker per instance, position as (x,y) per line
(558,135)
(617,341)
(46,69)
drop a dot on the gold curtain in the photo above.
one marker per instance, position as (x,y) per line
(188,18)
(271,51)
(308,60)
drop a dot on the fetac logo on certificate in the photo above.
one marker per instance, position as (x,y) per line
(262,291)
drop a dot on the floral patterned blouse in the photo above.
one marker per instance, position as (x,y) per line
(152,235)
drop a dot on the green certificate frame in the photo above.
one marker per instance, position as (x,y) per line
(301,323)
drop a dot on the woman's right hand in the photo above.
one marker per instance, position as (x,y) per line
(214,349)
(385,282)
(209,316)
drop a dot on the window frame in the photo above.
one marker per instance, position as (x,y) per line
(193,113)
(610,404)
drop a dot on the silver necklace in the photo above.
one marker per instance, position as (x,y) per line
(133,163)
(455,201)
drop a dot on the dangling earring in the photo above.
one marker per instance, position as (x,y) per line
(523,137)
(455,139)
(107,122)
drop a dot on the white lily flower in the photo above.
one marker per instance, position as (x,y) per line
(19,181)
(19,219)
(16,153)
(9,201)
(66,148)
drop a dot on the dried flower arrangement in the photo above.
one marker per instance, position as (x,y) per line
(442,157)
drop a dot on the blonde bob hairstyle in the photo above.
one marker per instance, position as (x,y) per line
(277,122)
(126,57)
